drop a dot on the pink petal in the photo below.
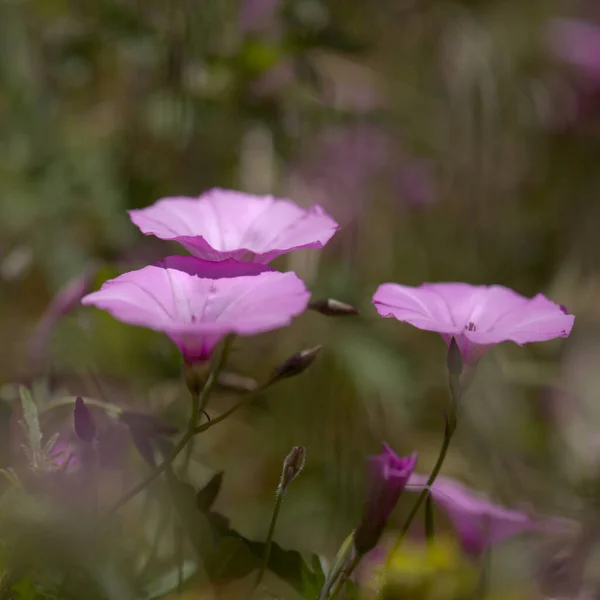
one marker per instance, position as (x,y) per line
(419,306)
(477,316)
(478,522)
(197,303)
(223,224)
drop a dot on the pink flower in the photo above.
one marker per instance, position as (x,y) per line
(477,316)
(577,43)
(65,301)
(222,224)
(388,475)
(478,522)
(197,302)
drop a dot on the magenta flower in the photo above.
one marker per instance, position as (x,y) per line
(388,475)
(222,224)
(478,522)
(478,317)
(197,302)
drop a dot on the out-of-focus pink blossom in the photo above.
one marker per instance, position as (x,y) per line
(65,301)
(257,16)
(223,224)
(388,475)
(478,522)
(198,302)
(577,43)
(478,317)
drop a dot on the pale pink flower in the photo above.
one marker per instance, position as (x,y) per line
(478,522)
(478,317)
(223,224)
(197,302)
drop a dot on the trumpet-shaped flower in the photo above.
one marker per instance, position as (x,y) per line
(223,224)
(388,475)
(478,317)
(197,303)
(478,522)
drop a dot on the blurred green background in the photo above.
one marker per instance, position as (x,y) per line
(445,137)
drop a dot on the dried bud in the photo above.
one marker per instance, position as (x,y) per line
(83,422)
(454,359)
(296,364)
(332,308)
(292,465)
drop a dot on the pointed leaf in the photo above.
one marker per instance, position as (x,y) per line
(31,420)
(289,565)
(196,524)
(232,560)
(206,497)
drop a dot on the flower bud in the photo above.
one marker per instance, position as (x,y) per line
(292,465)
(296,364)
(388,476)
(332,308)
(454,359)
(83,422)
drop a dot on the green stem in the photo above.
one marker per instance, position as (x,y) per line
(345,576)
(190,433)
(267,554)
(200,402)
(448,433)
(429,519)
(243,402)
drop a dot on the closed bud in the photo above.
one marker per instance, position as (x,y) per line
(292,465)
(388,476)
(83,422)
(332,308)
(454,359)
(296,364)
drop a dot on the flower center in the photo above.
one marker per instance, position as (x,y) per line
(471,326)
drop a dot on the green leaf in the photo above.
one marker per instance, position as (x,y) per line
(338,564)
(289,565)
(195,522)
(169,581)
(352,592)
(206,497)
(231,560)
(31,420)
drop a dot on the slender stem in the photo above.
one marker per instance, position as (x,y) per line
(345,576)
(195,414)
(192,430)
(243,402)
(200,402)
(267,554)
(448,433)
(429,519)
